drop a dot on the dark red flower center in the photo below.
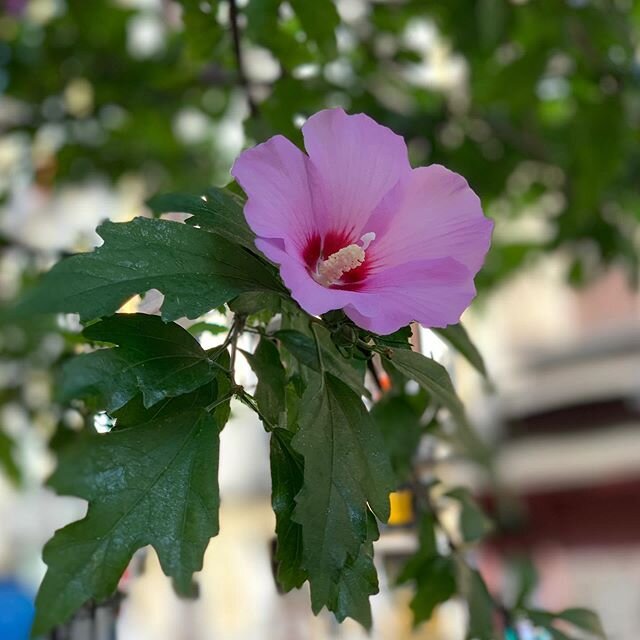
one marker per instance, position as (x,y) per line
(318,250)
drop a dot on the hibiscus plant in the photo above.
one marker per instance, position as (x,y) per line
(326,263)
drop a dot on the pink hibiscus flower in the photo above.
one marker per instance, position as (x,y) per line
(354,227)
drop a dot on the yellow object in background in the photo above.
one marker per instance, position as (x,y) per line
(401,507)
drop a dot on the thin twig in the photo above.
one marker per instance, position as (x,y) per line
(238,327)
(237,50)
(248,400)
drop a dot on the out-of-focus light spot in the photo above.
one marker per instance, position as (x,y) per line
(339,72)
(222,14)
(552,89)
(299,120)
(112,116)
(440,67)
(385,45)
(260,65)
(507,53)
(150,5)
(191,125)
(145,35)
(88,132)
(42,11)
(304,71)
(53,108)
(451,135)
(14,419)
(103,422)
(286,12)
(352,10)
(420,34)
(73,419)
(205,7)
(78,97)
(338,99)
(47,141)
(346,39)
(608,84)
(617,54)
(36,390)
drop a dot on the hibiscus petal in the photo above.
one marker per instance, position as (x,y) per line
(431,292)
(354,163)
(436,215)
(274,176)
(312,297)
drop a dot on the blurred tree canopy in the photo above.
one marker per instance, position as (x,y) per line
(535,102)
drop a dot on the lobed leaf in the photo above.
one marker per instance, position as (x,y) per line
(431,376)
(346,472)
(287,476)
(433,575)
(398,419)
(457,336)
(303,348)
(195,270)
(158,359)
(153,484)
(272,380)
(358,581)
(216,210)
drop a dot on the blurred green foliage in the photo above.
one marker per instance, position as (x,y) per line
(536,102)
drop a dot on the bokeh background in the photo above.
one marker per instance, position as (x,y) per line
(536,102)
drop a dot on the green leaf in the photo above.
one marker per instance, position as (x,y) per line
(474,524)
(216,210)
(357,582)
(435,380)
(346,471)
(583,619)
(479,602)
(400,339)
(7,460)
(158,359)
(399,421)
(457,336)
(427,549)
(435,584)
(272,380)
(526,577)
(303,348)
(210,327)
(195,270)
(431,376)
(286,481)
(262,304)
(319,19)
(434,575)
(156,484)
(300,346)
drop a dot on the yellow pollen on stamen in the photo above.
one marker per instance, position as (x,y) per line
(337,264)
